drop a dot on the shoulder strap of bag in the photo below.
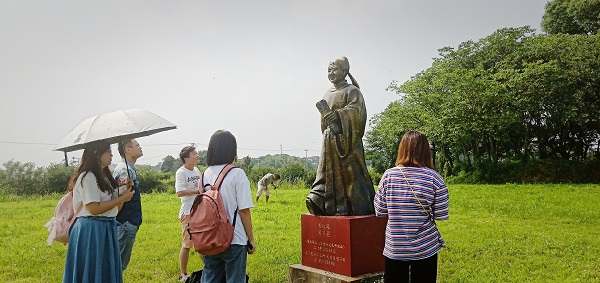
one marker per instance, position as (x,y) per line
(76,214)
(218,183)
(222,175)
(413,191)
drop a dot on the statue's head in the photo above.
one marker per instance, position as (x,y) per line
(338,70)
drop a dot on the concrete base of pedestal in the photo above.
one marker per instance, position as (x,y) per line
(304,274)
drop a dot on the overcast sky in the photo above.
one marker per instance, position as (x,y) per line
(255,68)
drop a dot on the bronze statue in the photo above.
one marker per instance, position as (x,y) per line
(342,185)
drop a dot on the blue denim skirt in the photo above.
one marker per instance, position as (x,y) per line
(93,252)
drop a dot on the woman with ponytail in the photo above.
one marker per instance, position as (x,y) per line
(93,251)
(342,185)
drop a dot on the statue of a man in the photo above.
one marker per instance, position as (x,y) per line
(342,185)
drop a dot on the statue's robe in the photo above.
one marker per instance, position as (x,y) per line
(342,185)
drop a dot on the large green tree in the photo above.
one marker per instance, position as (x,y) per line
(170,164)
(572,17)
(511,95)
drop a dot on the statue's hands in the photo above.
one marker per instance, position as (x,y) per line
(329,118)
(332,121)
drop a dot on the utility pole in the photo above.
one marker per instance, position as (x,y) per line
(281,149)
(306,158)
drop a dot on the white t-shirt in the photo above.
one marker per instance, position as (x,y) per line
(266,180)
(236,194)
(87,191)
(186,180)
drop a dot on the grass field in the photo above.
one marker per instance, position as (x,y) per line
(496,233)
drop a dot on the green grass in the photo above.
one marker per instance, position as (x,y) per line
(496,233)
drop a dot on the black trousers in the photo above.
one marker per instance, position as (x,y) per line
(419,271)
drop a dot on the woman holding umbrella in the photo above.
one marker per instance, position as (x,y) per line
(93,251)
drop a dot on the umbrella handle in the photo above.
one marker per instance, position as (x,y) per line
(127,167)
(128,175)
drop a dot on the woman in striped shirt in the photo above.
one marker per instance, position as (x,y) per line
(413,196)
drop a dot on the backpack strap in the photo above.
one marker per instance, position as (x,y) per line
(76,214)
(218,183)
(222,175)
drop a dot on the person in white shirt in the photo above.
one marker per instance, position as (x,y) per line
(93,251)
(187,187)
(237,198)
(263,185)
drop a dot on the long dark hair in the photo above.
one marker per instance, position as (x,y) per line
(414,150)
(90,162)
(222,148)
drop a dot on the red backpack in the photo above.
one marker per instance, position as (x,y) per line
(209,228)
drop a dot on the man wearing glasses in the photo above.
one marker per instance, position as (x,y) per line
(129,218)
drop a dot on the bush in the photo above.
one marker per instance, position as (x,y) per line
(22,178)
(151,180)
(310,177)
(168,184)
(296,172)
(375,176)
(57,178)
(533,171)
(292,172)
(258,172)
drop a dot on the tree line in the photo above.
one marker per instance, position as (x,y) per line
(25,178)
(514,99)
(291,168)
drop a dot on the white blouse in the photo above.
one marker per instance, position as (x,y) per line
(87,191)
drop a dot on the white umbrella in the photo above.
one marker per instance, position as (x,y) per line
(114,127)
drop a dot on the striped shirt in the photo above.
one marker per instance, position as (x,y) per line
(410,234)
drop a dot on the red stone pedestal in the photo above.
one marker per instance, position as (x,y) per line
(346,245)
